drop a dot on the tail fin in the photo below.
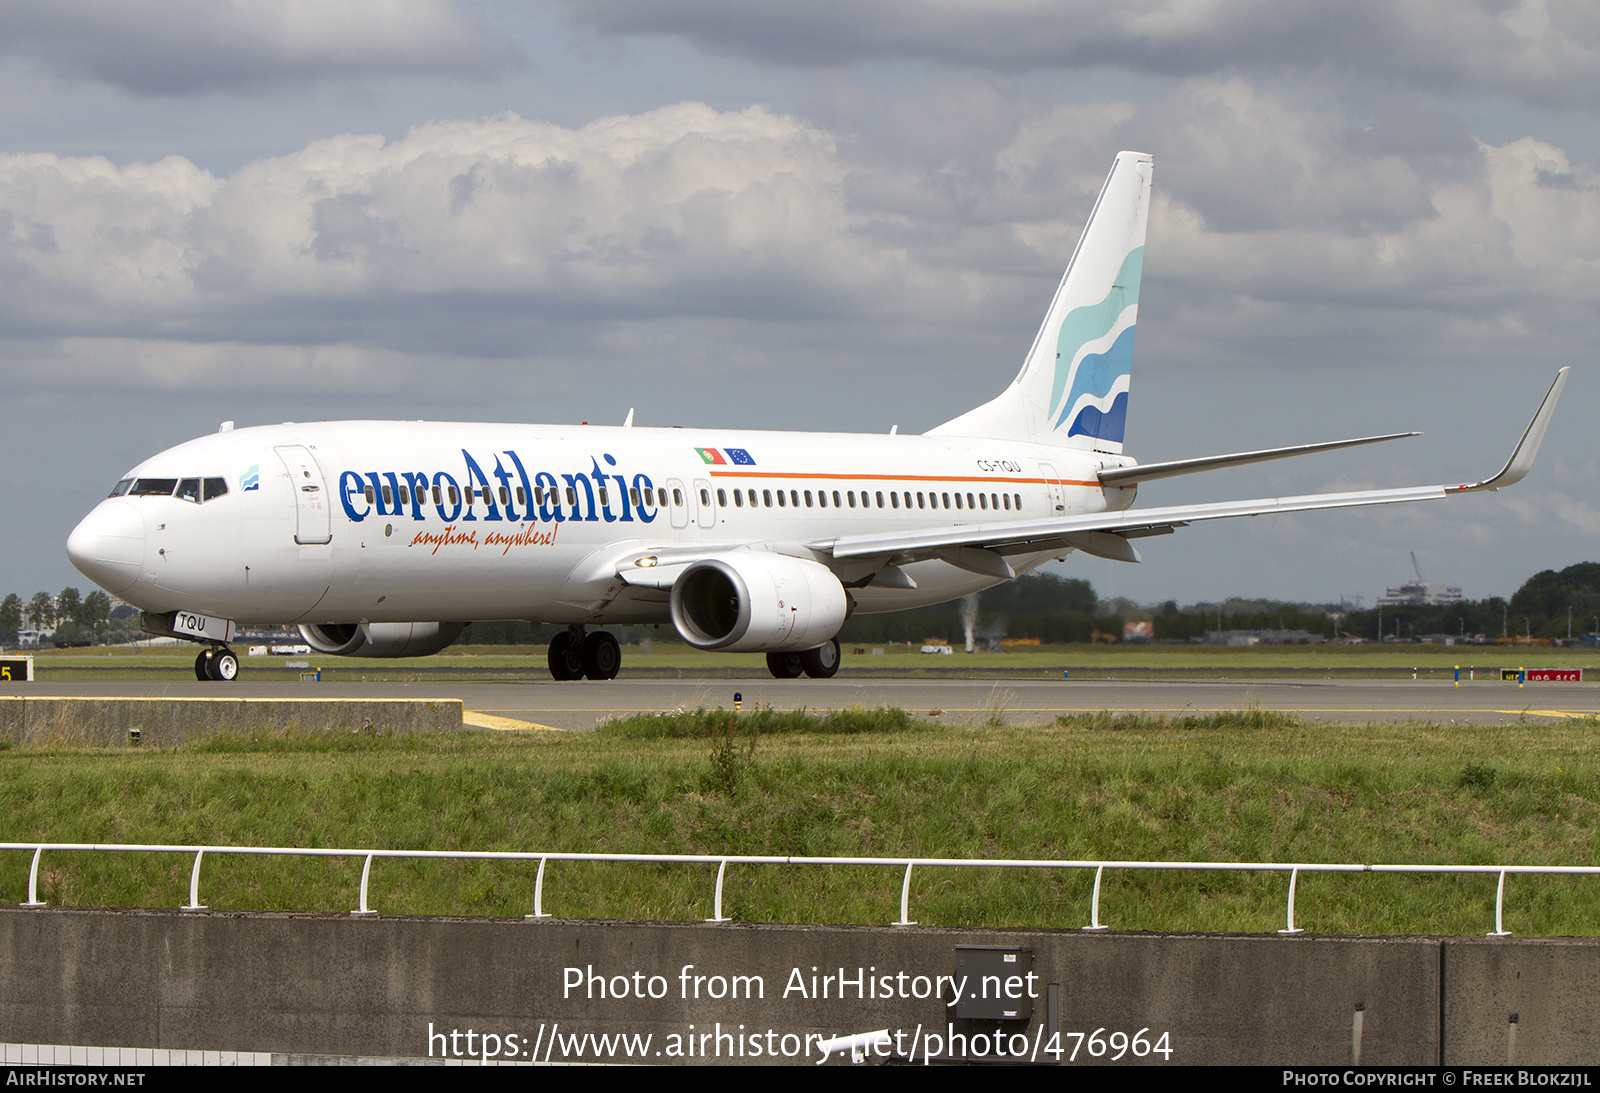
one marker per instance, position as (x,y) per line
(1073,387)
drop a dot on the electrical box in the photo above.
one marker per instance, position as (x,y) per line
(1000,984)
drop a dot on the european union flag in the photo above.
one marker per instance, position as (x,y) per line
(740,457)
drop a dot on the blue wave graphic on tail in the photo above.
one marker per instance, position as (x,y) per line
(1097,374)
(1106,426)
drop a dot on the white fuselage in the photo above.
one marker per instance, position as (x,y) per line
(356,521)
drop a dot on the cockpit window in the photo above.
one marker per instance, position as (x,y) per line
(154,487)
(189,490)
(120,488)
(215,488)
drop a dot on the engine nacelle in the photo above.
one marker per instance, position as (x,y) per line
(381,639)
(752,601)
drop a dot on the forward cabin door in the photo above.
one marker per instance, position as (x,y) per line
(313,520)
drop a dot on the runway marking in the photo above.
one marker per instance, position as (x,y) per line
(502,724)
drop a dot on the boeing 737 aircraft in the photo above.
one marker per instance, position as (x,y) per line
(387,538)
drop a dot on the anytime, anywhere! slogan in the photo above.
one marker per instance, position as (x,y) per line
(504,539)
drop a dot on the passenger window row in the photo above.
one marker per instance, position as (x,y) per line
(487,495)
(749,498)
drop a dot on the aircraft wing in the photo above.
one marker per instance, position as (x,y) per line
(982,547)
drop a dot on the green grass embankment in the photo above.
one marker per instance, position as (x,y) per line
(1242,787)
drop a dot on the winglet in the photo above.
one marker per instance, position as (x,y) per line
(1521,461)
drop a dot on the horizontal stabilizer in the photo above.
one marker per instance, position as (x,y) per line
(1129,476)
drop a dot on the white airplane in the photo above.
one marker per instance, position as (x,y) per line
(387,538)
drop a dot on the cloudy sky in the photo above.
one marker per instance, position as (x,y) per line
(1369,217)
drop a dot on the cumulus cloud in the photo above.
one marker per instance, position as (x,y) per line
(474,230)
(179,47)
(1275,224)
(1543,51)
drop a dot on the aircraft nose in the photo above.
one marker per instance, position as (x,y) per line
(108,546)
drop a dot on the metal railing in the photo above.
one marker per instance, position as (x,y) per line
(722,861)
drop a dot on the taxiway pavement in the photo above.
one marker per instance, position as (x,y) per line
(584,705)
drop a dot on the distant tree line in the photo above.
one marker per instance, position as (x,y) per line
(1543,607)
(1043,606)
(75,617)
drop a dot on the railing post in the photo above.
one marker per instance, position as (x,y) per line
(366,871)
(194,884)
(1294,875)
(905,899)
(1094,905)
(717,905)
(33,880)
(538,893)
(1499,907)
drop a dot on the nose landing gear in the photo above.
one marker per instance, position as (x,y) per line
(217,664)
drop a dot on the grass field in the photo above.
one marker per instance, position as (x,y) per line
(1242,787)
(672,658)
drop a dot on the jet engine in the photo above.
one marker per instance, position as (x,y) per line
(752,601)
(381,639)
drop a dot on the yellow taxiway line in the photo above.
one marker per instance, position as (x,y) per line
(502,724)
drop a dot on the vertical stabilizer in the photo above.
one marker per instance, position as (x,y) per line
(1073,387)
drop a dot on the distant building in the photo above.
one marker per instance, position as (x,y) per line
(1419,595)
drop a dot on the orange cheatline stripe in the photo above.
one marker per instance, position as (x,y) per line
(901,478)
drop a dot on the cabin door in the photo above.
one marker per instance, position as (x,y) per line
(312,518)
(1052,483)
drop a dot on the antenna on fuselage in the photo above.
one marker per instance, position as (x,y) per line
(628,422)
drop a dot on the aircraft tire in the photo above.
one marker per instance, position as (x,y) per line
(202,666)
(823,661)
(563,658)
(785,665)
(602,656)
(223,666)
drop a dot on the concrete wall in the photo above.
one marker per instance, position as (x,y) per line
(107,722)
(1531,1001)
(340,985)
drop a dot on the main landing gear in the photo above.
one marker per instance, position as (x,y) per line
(819,663)
(576,655)
(216,663)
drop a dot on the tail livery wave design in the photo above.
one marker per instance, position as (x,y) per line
(1094,351)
